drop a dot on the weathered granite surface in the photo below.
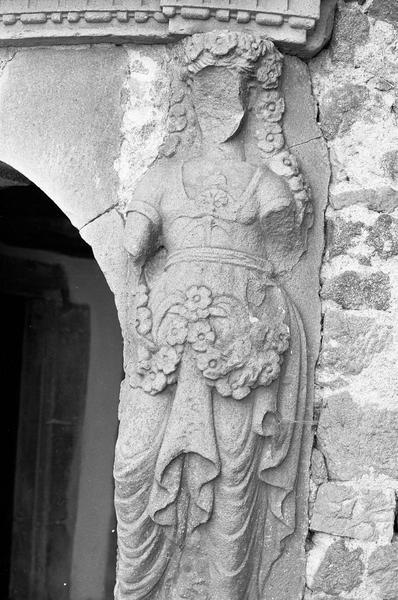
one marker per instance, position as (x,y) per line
(355,82)
(359,511)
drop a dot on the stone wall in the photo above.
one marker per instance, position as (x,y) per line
(353,546)
(84,138)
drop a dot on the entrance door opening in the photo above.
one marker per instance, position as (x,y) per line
(61,367)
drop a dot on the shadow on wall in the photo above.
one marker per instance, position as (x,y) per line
(62,367)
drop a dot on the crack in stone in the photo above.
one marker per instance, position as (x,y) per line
(318,137)
(104,212)
(5,61)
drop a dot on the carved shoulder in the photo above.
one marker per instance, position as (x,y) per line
(273,192)
(147,195)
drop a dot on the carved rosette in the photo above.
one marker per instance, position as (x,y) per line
(269,109)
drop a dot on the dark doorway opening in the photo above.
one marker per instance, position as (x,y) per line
(45,354)
(12,311)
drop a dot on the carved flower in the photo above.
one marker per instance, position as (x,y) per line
(221,198)
(231,389)
(271,107)
(222,43)
(154,381)
(285,164)
(223,388)
(177,118)
(167,359)
(271,138)
(210,363)
(177,331)
(198,301)
(143,322)
(178,95)
(238,392)
(270,71)
(271,368)
(214,197)
(281,339)
(200,335)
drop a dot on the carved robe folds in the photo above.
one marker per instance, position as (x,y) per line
(215,395)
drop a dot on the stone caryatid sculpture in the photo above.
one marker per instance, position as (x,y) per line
(215,394)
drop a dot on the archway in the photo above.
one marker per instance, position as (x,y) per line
(62,365)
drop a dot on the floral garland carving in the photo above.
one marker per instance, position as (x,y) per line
(269,110)
(234,353)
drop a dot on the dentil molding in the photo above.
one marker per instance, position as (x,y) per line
(32,22)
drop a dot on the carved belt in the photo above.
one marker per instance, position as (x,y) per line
(220,255)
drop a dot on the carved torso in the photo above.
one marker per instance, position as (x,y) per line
(216,206)
(213,212)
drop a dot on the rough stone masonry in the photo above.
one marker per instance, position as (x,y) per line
(353,546)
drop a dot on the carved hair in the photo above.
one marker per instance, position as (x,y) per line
(239,52)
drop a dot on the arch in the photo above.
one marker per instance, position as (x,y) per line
(60,122)
(81,291)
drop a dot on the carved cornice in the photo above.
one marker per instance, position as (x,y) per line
(27,22)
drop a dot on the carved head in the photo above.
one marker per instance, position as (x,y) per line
(219,66)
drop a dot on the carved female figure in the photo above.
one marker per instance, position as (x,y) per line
(210,432)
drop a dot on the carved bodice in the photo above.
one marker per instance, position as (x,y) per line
(217,215)
(223,208)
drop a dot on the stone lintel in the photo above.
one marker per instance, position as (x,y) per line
(290,23)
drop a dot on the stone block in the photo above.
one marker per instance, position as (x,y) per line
(358,512)
(340,570)
(383,199)
(319,472)
(383,237)
(352,290)
(318,37)
(351,340)
(389,164)
(339,108)
(105,236)
(351,30)
(384,10)
(383,570)
(357,441)
(378,240)
(341,235)
(299,122)
(65,135)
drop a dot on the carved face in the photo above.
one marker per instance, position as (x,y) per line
(219,96)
